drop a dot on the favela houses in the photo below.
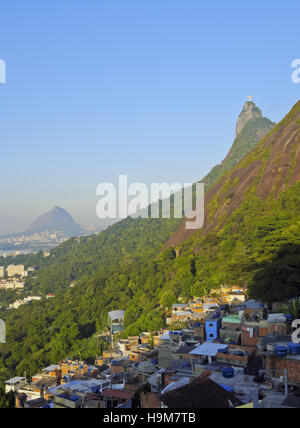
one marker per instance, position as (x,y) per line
(150,208)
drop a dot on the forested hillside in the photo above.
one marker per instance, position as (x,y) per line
(251,236)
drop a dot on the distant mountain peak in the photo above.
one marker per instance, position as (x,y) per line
(58,219)
(250,111)
(58,209)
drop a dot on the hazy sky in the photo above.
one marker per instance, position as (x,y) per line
(148,88)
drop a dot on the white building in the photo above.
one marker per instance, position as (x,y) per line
(2,272)
(14,384)
(19,303)
(31,298)
(16,304)
(11,284)
(13,270)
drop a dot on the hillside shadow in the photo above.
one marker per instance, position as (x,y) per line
(279,278)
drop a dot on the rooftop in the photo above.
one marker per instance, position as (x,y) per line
(208,349)
(51,368)
(115,393)
(79,386)
(201,393)
(232,319)
(116,315)
(14,380)
(276,401)
(253,304)
(273,318)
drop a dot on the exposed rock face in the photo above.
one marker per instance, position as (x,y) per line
(272,166)
(250,111)
(251,128)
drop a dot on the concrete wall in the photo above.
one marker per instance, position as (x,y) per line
(292,365)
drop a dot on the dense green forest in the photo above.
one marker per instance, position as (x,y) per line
(78,258)
(27,260)
(7,401)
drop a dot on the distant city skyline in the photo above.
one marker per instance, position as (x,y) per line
(148,89)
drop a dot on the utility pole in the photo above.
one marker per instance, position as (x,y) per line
(286,388)
(255,399)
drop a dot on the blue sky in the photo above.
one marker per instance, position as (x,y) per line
(151,89)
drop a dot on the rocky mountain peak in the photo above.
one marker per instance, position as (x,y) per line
(250,111)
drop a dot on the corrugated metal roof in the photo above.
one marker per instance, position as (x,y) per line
(175,385)
(180,305)
(208,349)
(165,336)
(14,380)
(51,368)
(116,315)
(276,318)
(232,319)
(184,313)
(253,304)
(79,386)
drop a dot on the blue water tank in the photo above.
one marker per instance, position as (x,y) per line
(228,388)
(222,351)
(294,348)
(228,372)
(289,317)
(281,351)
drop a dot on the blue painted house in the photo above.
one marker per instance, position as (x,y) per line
(213,325)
